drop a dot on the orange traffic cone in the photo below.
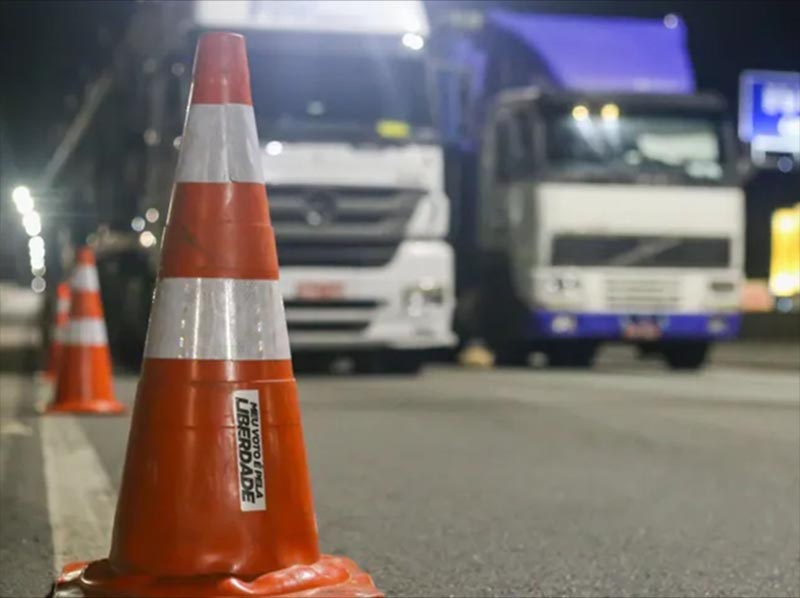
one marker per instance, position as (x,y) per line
(84,373)
(60,322)
(215,497)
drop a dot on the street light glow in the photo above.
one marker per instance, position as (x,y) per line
(32,223)
(23,200)
(20,193)
(36,244)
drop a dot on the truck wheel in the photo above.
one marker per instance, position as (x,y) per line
(403,362)
(390,362)
(578,354)
(512,354)
(685,355)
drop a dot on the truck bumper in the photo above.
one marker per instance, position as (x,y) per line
(634,327)
(407,304)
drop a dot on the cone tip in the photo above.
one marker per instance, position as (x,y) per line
(85,256)
(221,75)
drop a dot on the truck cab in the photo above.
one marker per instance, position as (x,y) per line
(609,217)
(353,166)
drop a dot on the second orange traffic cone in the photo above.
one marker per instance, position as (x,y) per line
(84,373)
(60,322)
(215,497)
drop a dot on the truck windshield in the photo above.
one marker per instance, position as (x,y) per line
(652,148)
(338,96)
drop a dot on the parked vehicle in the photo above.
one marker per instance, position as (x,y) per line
(354,167)
(595,191)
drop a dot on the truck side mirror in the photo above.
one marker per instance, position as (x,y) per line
(745,169)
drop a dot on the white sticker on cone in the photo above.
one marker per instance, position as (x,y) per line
(249,450)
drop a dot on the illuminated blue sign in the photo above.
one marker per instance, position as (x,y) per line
(769,111)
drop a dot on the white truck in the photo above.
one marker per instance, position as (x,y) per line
(354,168)
(607,203)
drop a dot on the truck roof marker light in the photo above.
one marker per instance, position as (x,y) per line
(393,129)
(609,112)
(671,21)
(580,112)
(413,41)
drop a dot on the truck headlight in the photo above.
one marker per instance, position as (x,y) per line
(418,298)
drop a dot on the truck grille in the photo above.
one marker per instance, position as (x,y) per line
(339,226)
(642,295)
(640,251)
(329,315)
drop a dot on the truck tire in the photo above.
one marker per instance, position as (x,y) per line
(402,362)
(571,354)
(389,362)
(512,354)
(685,355)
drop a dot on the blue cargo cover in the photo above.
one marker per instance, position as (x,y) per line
(602,54)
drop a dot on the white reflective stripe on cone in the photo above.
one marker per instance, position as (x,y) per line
(217,318)
(84,278)
(62,306)
(220,145)
(86,332)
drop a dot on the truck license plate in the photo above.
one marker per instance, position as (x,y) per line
(642,330)
(320,291)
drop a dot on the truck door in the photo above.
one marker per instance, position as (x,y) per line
(508,202)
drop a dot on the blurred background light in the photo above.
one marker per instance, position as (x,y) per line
(36,244)
(38,284)
(137,224)
(19,193)
(147,239)
(32,223)
(22,199)
(151,215)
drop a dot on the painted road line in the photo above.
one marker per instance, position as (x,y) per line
(80,497)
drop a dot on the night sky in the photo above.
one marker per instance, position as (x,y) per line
(51,50)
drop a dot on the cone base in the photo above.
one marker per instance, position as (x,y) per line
(330,577)
(96,407)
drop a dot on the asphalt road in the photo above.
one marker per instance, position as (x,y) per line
(629,480)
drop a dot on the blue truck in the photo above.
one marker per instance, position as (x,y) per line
(595,192)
